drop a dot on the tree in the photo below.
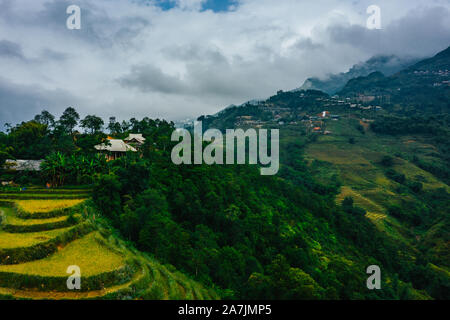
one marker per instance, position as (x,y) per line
(387,161)
(4,155)
(54,168)
(106,195)
(92,123)
(347,202)
(114,126)
(30,140)
(46,118)
(69,119)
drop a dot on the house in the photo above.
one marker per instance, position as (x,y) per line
(23,165)
(114,148)
(324,114)
(135,139)
(317,129)
(364,98)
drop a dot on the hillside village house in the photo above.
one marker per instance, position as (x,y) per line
(135,139)
(23,165)
(114,148)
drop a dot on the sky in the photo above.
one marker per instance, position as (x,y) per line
(175,59)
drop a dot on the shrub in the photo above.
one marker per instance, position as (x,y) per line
(387,161)
(415,186)
(396,176)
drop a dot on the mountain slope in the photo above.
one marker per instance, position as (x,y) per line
(393,169)
(422,87)
(40,239)
(387,65)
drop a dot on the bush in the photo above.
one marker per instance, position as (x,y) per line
(415,186)
(396,212)
(396,176)
(106,195)
(387,161)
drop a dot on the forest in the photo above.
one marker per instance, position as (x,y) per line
(246,235)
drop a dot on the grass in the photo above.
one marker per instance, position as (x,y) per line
(34,196)
(20,240)
(87,253)
(363,177)
(11,218)
(33,190)
(33,206)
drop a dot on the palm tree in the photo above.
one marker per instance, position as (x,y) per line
(55,168)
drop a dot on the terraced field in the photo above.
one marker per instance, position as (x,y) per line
(358,169)
(42,237)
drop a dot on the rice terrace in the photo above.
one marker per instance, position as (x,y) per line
(43,231)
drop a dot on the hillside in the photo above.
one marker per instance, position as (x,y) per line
(387,65)
(359,184)
(422,87)
(392,167)
(386,177)
(42,237)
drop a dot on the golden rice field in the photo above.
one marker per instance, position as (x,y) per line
(11,218)
(94,253)
(34,206)
(19,240)
(87,253)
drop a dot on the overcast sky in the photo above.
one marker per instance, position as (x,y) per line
(183,58)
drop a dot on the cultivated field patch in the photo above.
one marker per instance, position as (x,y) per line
(33,206)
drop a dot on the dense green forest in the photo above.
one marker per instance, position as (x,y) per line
(249,236)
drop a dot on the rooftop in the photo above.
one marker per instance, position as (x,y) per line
(116,145)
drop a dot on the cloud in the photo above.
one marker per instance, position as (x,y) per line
(21,103)
(134,58)
(401,37)
(11,49)
(190,4)
(149,78)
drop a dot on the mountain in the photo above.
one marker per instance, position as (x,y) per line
(387,157)
(388,65)
(422,87)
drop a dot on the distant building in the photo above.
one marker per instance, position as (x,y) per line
(363,98)
(23,165)
(324,114)
(135,139)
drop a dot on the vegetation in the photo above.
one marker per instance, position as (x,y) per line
(374,190)
(33,206)
(33,264)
